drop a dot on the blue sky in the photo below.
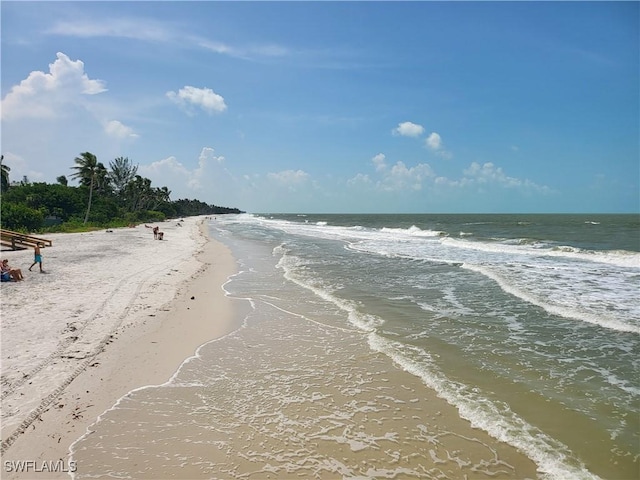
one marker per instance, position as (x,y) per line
(313,107)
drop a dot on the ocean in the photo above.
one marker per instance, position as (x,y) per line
(404,346)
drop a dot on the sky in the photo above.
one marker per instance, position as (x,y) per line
(333,107)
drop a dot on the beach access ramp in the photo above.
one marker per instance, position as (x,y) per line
(17,240)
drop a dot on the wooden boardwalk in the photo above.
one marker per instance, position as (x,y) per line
(17,240)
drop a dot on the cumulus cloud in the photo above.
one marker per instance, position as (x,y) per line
(488,173)
(408,129)
(204,98)
(401,177)
(47,95)
(434,143)
(167,165)
(117,130)
(207,156)
(379,162)
(170,171)
(290,178)
(359,179)
(20,169)
(395,178)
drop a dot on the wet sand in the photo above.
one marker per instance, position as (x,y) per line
(164,314)
(285,398)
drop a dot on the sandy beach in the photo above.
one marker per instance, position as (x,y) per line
(115,310)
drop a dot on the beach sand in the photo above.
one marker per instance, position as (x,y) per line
(116,310)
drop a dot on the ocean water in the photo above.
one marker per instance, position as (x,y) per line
(404,346)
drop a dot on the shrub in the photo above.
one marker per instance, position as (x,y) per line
(20,217)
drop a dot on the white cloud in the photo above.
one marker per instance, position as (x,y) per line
(397,178)
(167,165)
(198,176)
(48,95)
(149,30)
(434,143)
(204,98)
(408,129)
(20,169)
(218,47)
(401,177)
(269,51)
(488,173)
(208,175)
(379,162)
(290,178)
(116,129)
(137,28)
(359,179)
(207,154)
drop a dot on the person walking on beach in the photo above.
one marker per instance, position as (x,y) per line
(37,257)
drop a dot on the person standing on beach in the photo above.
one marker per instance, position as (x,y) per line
(37,258)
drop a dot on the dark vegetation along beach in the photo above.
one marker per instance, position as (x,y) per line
(105,197)
(402,346)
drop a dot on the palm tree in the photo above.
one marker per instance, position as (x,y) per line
(86,171)
(122,172)
(103,180)
(138,193)
(5,175)
(160,196)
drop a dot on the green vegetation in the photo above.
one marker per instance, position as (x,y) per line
(114,197)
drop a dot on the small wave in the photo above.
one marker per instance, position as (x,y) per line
(362,321)
(413,231)
(523,246)
(565,312)
(528,241)
(553,458)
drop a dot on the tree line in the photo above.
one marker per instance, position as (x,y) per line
(105,197)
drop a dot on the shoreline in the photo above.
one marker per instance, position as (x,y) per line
(291,395)
(138,354)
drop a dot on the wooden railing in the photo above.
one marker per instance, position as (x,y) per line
(17,240)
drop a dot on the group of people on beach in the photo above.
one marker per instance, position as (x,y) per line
(157,234)
(10,274)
